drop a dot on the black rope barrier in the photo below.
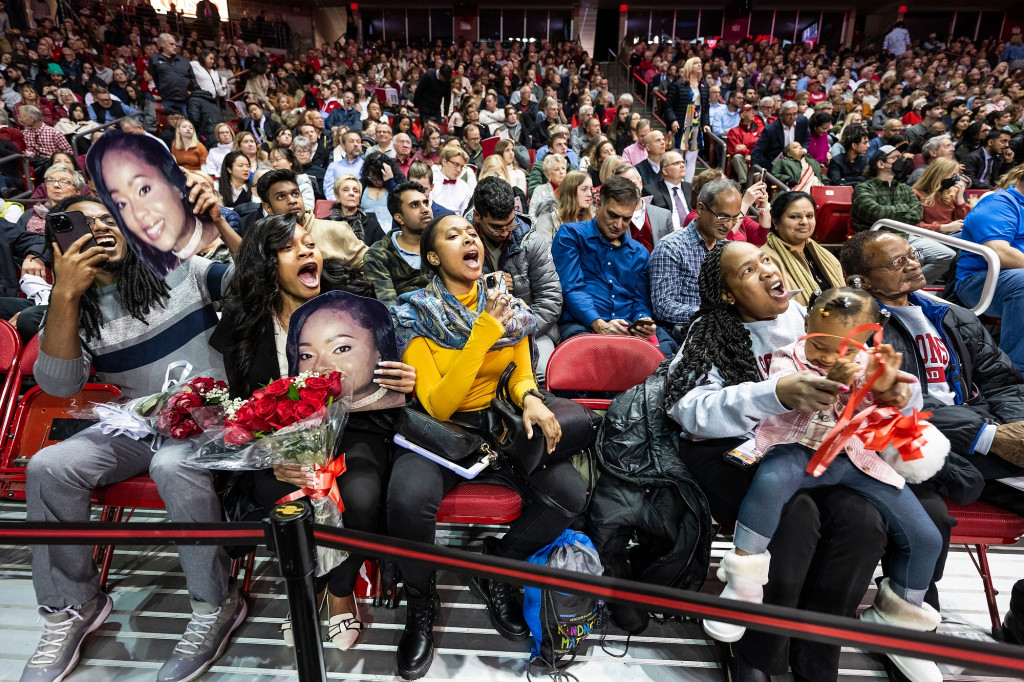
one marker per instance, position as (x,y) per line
(297,570)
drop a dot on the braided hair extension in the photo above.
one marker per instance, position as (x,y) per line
(138,287)
(715,338)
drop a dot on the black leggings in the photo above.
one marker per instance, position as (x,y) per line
(366,469)
(418,485)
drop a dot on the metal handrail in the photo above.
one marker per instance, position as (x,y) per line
(26,167)
(720,143)
(988,291)
(78,136)
(654,111)
(754,169)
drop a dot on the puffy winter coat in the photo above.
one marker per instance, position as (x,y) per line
(647,493)
(528,259)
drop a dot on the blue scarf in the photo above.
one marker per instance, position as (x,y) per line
(436,314)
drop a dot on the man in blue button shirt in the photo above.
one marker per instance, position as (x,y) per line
(603,271)
(998,223)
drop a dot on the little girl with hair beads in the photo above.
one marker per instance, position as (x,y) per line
(788,442)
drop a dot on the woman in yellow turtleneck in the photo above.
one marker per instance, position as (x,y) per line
(461,339)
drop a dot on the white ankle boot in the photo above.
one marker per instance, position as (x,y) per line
(889,609)
(745,577)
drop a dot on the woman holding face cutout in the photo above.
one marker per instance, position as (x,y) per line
(145,190)
(278,269)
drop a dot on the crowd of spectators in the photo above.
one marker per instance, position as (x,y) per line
(598,216)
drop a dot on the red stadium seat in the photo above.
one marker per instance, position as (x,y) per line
(42,420)
(981,525)
(480,503)
(597,362)
(140,492)
(975,194)
(487,146)
(10,360)
(833,224)
(322,209)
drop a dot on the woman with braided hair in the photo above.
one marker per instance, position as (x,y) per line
(788,442)
(828,541)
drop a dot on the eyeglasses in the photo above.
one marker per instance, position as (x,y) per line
(60,182)
(900,262)
(725,219)
(458,166)
(105,220)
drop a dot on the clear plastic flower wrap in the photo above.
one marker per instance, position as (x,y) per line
(295,420)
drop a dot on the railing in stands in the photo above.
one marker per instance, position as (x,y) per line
(659,97)
(720,158)
(991,278)
(292,537)
(26,168)
(81,136)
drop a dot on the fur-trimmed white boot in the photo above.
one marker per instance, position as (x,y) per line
(745,577)
(889,609)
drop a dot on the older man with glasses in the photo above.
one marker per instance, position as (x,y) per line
(676,260)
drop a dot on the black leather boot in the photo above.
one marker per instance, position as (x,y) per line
(502,605)
(1013,624)
(416,648)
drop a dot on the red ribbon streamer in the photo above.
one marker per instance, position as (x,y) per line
(876,426)
(324,484)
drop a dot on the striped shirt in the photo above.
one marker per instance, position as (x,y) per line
(134,355)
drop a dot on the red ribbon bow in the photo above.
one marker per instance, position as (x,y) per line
(877,427)
(324,484)
(450,182)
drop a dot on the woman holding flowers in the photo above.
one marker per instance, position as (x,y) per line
(461,338)
(278,268)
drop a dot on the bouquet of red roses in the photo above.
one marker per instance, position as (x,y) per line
(181,410)
(182,415)
(294,420)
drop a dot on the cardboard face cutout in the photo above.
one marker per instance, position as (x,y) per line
(144,189)
(350,334)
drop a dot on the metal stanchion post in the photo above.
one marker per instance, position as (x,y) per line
(292,525)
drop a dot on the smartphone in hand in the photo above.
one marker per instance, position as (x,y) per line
(495,281)
(641,321)
(68,227)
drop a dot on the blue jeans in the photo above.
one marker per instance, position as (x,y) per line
(782,474)
(1008,304)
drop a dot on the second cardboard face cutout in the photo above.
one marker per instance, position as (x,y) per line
(350,334)
(142,185)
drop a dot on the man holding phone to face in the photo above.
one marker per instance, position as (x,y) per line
(129,341)
(604,271)
(517,260)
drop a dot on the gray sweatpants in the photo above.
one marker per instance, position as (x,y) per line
(59,487)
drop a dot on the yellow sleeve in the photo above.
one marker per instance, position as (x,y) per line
(442,395)
(337,240)
(522,379)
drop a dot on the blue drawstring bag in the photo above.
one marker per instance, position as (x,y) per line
(560,622)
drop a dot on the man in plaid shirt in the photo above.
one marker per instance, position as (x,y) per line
(676,259)
(41,140)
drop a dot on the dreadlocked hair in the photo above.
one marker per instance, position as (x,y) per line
(138,287)
(715,337)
